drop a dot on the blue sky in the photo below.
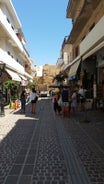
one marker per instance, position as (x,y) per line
(44,25)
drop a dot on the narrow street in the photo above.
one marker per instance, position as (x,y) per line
(47,149)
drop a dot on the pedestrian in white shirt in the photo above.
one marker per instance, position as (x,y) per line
(82,93)
(33,99)
(73,102)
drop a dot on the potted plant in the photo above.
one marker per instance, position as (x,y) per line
(60,78)
(12,87)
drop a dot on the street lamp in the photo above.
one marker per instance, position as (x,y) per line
(2,68)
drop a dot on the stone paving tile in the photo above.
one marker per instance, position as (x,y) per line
(25,179)
(48,149)
(11,179)
(89,150)
(95,128)
(16,130)
(50,164)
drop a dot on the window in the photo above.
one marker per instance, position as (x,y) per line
(8,53)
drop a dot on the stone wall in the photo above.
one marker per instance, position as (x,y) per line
(49,71)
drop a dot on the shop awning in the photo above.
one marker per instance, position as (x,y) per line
(73,69)
(13,75)
(92,51)
(23,78)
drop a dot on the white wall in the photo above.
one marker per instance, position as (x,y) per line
(93,37)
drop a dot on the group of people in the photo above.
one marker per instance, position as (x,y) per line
(65,103)
(32,97)
(61,102)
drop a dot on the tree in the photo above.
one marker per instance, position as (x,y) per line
(31,85)
(12,86)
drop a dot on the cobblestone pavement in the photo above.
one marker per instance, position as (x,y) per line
(86,130)
(47,149)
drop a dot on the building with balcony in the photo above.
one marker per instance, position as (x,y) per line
(84,46)
(12,46)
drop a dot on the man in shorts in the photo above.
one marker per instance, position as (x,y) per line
(65,102)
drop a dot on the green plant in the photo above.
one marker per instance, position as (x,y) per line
(31,85)
(10,84)
(12,87)
(60,77)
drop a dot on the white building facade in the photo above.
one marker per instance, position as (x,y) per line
(12,51)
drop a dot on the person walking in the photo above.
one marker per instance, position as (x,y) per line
(56,106)
(82,93)
(65,102)
(23,101)
(33,99)
(73,102)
